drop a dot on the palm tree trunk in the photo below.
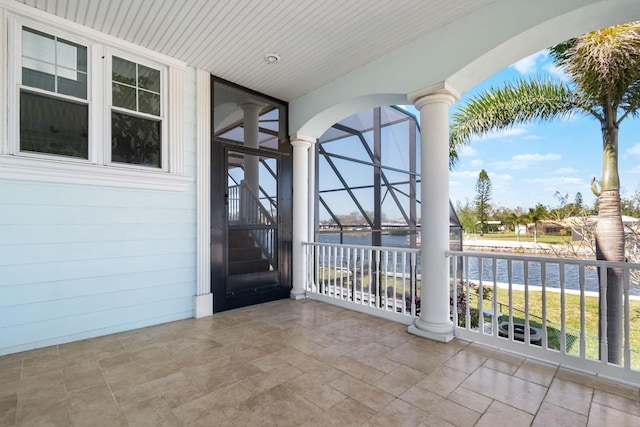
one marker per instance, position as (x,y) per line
(610,247)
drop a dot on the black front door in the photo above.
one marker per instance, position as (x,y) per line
(250,208)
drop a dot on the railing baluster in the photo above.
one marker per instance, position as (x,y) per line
(395,278)
(527,330)
(604,346)
(480,295)
(583,321)
(342,293)
(510,325)
(627,320)
(494,304)
(453,262)
(543,283)
(414,279)
(563,310)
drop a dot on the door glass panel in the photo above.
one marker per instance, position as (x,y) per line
(252,213)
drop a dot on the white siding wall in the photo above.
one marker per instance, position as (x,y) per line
(81,261)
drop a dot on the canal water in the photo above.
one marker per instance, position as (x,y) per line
(571,272)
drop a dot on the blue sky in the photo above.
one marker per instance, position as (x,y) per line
(528,164)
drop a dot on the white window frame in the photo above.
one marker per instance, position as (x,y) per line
(98,168)
(164,107)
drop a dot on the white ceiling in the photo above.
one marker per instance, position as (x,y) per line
(318,40)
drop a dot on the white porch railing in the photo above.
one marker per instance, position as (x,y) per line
(377,280)
(541,307)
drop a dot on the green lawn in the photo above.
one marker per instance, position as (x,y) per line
(510,236)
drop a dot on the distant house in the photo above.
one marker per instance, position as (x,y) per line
(583,227)
(547,227)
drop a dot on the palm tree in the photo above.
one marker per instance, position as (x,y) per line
(537,214)
(603,68)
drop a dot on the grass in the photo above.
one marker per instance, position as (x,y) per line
(542,238)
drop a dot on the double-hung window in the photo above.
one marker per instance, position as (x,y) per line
(54,107)
(136,113)
(84,107)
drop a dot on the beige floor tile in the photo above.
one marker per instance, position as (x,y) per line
(447,410)
(124,375)
(266,380)
(617,388)
(537,372)
(501,415)
(82,373)
(347,412)
(417,357)
(152,412)
(549,415)
(95,406)
(357,369)
(214,417)
(501,366)
(10,373)
(601,415)
(569,395)
(443,380)
(149,389)
(470,399)
(396,339)
(8,409)
(506,389)
(44,411)
(364,393)
(219,374)
(399,380)
(624,404)
(279,406)
(465,361)
(398,414)
(225,400)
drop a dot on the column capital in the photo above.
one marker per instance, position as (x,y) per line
(441,92)
(302,140)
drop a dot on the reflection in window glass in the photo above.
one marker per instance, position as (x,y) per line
(135,87)
(135,140)
(53,64)
(53,126)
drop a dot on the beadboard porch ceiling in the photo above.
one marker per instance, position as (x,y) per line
(318,41)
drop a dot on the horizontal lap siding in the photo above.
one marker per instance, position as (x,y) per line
(82,261)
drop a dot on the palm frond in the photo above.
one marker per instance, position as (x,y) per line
(524,101)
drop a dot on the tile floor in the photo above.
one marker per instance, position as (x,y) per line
(291,363)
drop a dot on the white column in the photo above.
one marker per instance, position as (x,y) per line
(203,304)
(434,321)
(301,145)
(251,133)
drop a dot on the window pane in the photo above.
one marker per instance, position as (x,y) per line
(148,78)
(38,45)
(71,55)
(49,125)
(45,58)
(42,79)
(76,87)
(135,140)
(124,96)
(123,71)
(149,102)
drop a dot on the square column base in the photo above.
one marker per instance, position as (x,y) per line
(297,295)
(203,305)
(436,336)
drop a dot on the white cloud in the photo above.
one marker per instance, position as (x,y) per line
(465,174)
(557,72)
(565,171)
(529,64)
(532,137)
(467,151)
(477,162)
(635,150)
(536,157)
(506,133)
(562,180)
(635,170)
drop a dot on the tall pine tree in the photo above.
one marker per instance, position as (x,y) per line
(483,200)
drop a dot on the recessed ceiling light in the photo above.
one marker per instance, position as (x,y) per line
(272,58)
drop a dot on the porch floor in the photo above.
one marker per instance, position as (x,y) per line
(291,363)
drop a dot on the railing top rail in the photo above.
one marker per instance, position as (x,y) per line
(374,248)
(546,259)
